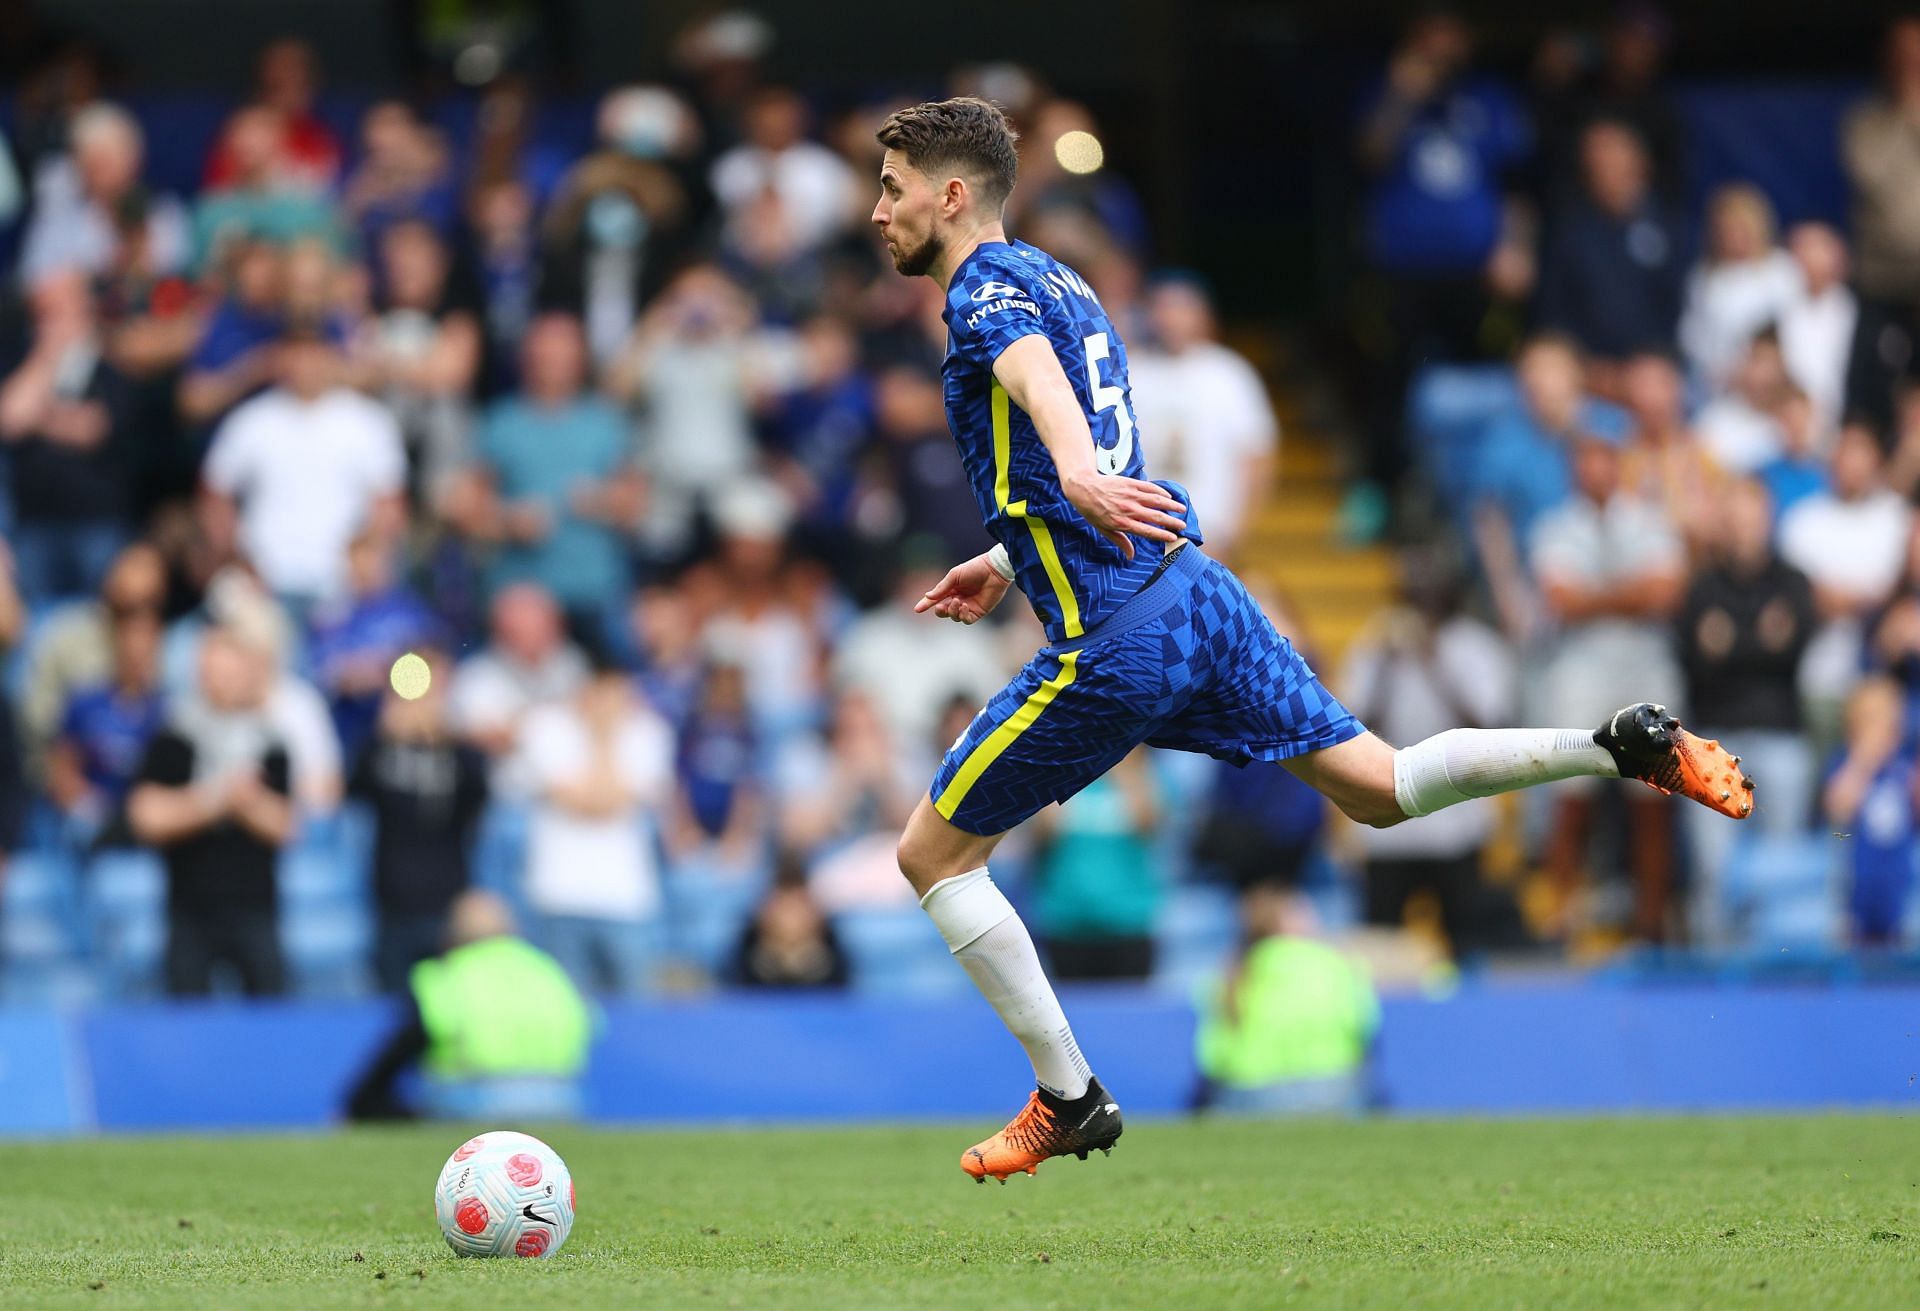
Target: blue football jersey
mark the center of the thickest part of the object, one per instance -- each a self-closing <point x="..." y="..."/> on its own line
<point x="1002" y="292"/>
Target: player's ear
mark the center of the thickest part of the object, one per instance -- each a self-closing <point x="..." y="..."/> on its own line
<point x="954" y="198"/>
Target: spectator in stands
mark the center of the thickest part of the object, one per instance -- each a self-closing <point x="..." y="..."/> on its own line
<point x="1743" y="629"/>
<point x="1665" y="464"/>
<point x="306" y="154"/>
<point x="915" y="482"/>
<point x="356" y="637"/>
<point x="295" y="472"/>
<point x="527" y="663"/>
<point x="820" y="424"/>
<point x="553" y="488"/>
<point x="259" y="202"/>
<point x="1436" y="139"/>
<point x="1851" y="542"/>
<point x="1882" y="158"/>
<point x="500" y="221"/>
<point x="1048" y="186"/>
<point x="1525" y="463"/>
<point x="1623" y="86"/>
<point x="1097" y="887"/>
<point x="1611" y="274"/>
<point x="757" y="615"/>
<point x="494" y="1024"/>
<point x="104" y="732"/>
<point x="777" y="185"/>
<point x="1290" y="1028"/>
<point x="1612" y="571"/>
<point x="66" y="414"/>
<point x="1424" y="667"/>
<point x="234" y="356"/>
<point x="213" y="795"/>
<point x="1204" y="409"/>
<point x="790" y="942"/>
<point x="1800" y="470"/>
<point x="850" y="784"/>
<point x="74" y="650"/>
<point x="82" y="205"/>
<point x="404" y="174"/>
<point x="420" y="352"/>
<point x="720" y="801"/>
<point x="1870" y="798"/>
<point x="425" y="790"/>
<point x="1740" y="428"/>
<point x="1744" y="283"/>
<point x="600" y="766"/>
<point x="1818" y="325"/>
<point x="695" y="363"/>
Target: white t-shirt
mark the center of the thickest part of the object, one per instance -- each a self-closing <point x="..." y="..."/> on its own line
<point x="600" y="868"/>
<point x="1469" y="667"/>
<point x="491" y="692"/>
<point x="1739" y="438"/>
<point x="1202" y="414"/>
<point x="912" y="669"/>
<point x="1727" y="304"/>
<point x="1816" y="338"/>
<point x="305" y="474"/>
<point x="815" y="187"/>
<point x="298" y="711"/>
<point x="1854" y="546"/>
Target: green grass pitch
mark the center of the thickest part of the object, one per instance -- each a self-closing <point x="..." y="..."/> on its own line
<point x="1775" y="1212"/>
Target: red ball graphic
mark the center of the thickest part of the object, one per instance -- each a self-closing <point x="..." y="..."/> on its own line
<point x="524" y="1169"/>
<point x="469" y="1147"/>
<point x="533" y="1243"/>
<point x="470" y="1215"/>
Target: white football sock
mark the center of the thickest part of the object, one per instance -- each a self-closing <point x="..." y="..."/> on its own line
<point x="985" y="934"/>
<point x="1461" y="763"/>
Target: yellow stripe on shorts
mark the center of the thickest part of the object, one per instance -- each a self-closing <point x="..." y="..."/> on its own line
<point x="995" y="743"/>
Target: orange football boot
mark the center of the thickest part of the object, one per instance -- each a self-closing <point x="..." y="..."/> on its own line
<point x="1649" y="744"/>
<point x="1046" y="1126"/>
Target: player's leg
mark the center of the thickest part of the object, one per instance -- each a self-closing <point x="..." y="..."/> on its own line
<point x="1061" y="723"/>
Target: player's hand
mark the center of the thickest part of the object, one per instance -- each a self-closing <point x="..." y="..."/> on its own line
<point x="967" y="594"/>
<point x="1123" y="508"/>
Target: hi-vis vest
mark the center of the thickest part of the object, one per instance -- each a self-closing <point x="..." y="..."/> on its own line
<point x="500" y="1007"/>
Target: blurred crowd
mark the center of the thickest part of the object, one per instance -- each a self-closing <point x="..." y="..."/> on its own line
<point x="1673" y="452"/>
<point x="638" y="454"/>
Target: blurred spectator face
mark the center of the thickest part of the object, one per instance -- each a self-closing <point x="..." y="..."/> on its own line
<point x="388" y="132"/>
<point x="856" y="720"/>
<point x="1552" y="381"/>
<point x="526" y="623"/>
<point x="1857" y="459"/>
<point x="369" y="571"/>
<point x="1636" y="47"/>
<point x="1798" y="422"/>
<point x="1181" y="316"/>
<point x="1615" y="167"/>
<point x="502" y="214"/>
<point x="309" y="366"/>
<point x="1653" y="392"/>
<point x="1903" y="56"/>
<point x="1596" y="469"/>
<point x="135" y="636"/>
<point x="1740" y="224"/>
<point x="953" y="722"/>
<point x="1821" y="254"/>
<point x="1443" y="41"/>
<point x="137" y="580"/>
<point x="415" y="263"/>
<point x="309" y="281"/>
<point x="258" y="275"/>
<point x="253" y="139"/>
<point x="553" y="358"/>
<point x="107" y="150"/>
<point x="909" y="404"/>
<point x="1874" y="716"/>
<point x="233" y="675"/>
<point x="607" y="698"/>
<point x="1762" y="375"/>
<point x="288" y="74"/>
<point x="648" y="122"/>
<point x="776" y="120"/>
<point x="829" y="350"/>
<point x="724" y="690"/>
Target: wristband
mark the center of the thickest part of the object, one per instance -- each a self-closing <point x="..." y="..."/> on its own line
<point x="1003" y="566"/>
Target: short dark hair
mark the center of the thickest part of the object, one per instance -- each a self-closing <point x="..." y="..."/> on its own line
<point x="966" y="134"/>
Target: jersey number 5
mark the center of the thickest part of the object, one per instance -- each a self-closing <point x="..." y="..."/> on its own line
<point x="1115" y="458"/>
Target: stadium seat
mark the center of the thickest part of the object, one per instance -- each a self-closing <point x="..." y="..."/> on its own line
<point x="125" y="899"/>
<point x="895" y="952"/>
<point x="36" y="912"/>
<point x="1783" y="892"/>
<point x="1199" y="927"/>
<point x="705" y="912"/>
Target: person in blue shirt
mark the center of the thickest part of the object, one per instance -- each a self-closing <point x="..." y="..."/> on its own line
<point x="355" y="639"/>
<point x="1870" y="795"/>
<point x="1148" y="640"/>
<point x="105" y="729"/>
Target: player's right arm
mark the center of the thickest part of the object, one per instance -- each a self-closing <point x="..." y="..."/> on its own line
<point x="1120" y="507"/>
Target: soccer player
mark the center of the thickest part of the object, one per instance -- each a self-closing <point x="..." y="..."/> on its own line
<point x="1148" y="640"/>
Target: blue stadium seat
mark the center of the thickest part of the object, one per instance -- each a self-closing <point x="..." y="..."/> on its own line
<point x="326" y="920"/>
<point x="704" y="914"/>
<point x="1198" y="930"/>
<point x="126" y="907"/>
<point x="1785" y="891"/>
<point x="36" y="911"/>
<point x="896" y="952"/>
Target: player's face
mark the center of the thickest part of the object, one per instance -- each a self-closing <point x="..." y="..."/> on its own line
<point x="905" y="215"/>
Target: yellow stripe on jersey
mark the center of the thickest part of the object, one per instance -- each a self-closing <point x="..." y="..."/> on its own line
<point x="995" y="743"/>
<point x="1042" y="535"/>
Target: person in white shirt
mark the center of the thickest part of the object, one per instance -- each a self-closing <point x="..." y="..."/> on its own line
<point x="77" y="198"/>
<point x="295" y="472"/>
<point x="778" y="181"/>
<point x="1740" y="428"/>
<point x="1422" y="668"/>
<point x="527" y="663"/>
<point x="1204" y="410"/>
<point x="1851" y="543"/>
<point x="1612" y="572"/>
<point x="601" y="765"/>
<point x="1817" y="325"/>
<point x="1743" y="285"/>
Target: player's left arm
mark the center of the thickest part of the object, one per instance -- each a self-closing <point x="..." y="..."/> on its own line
<point x="1120" y="507"/>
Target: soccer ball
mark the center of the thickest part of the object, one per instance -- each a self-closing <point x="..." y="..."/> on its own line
<point x="504" y="1194"/>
